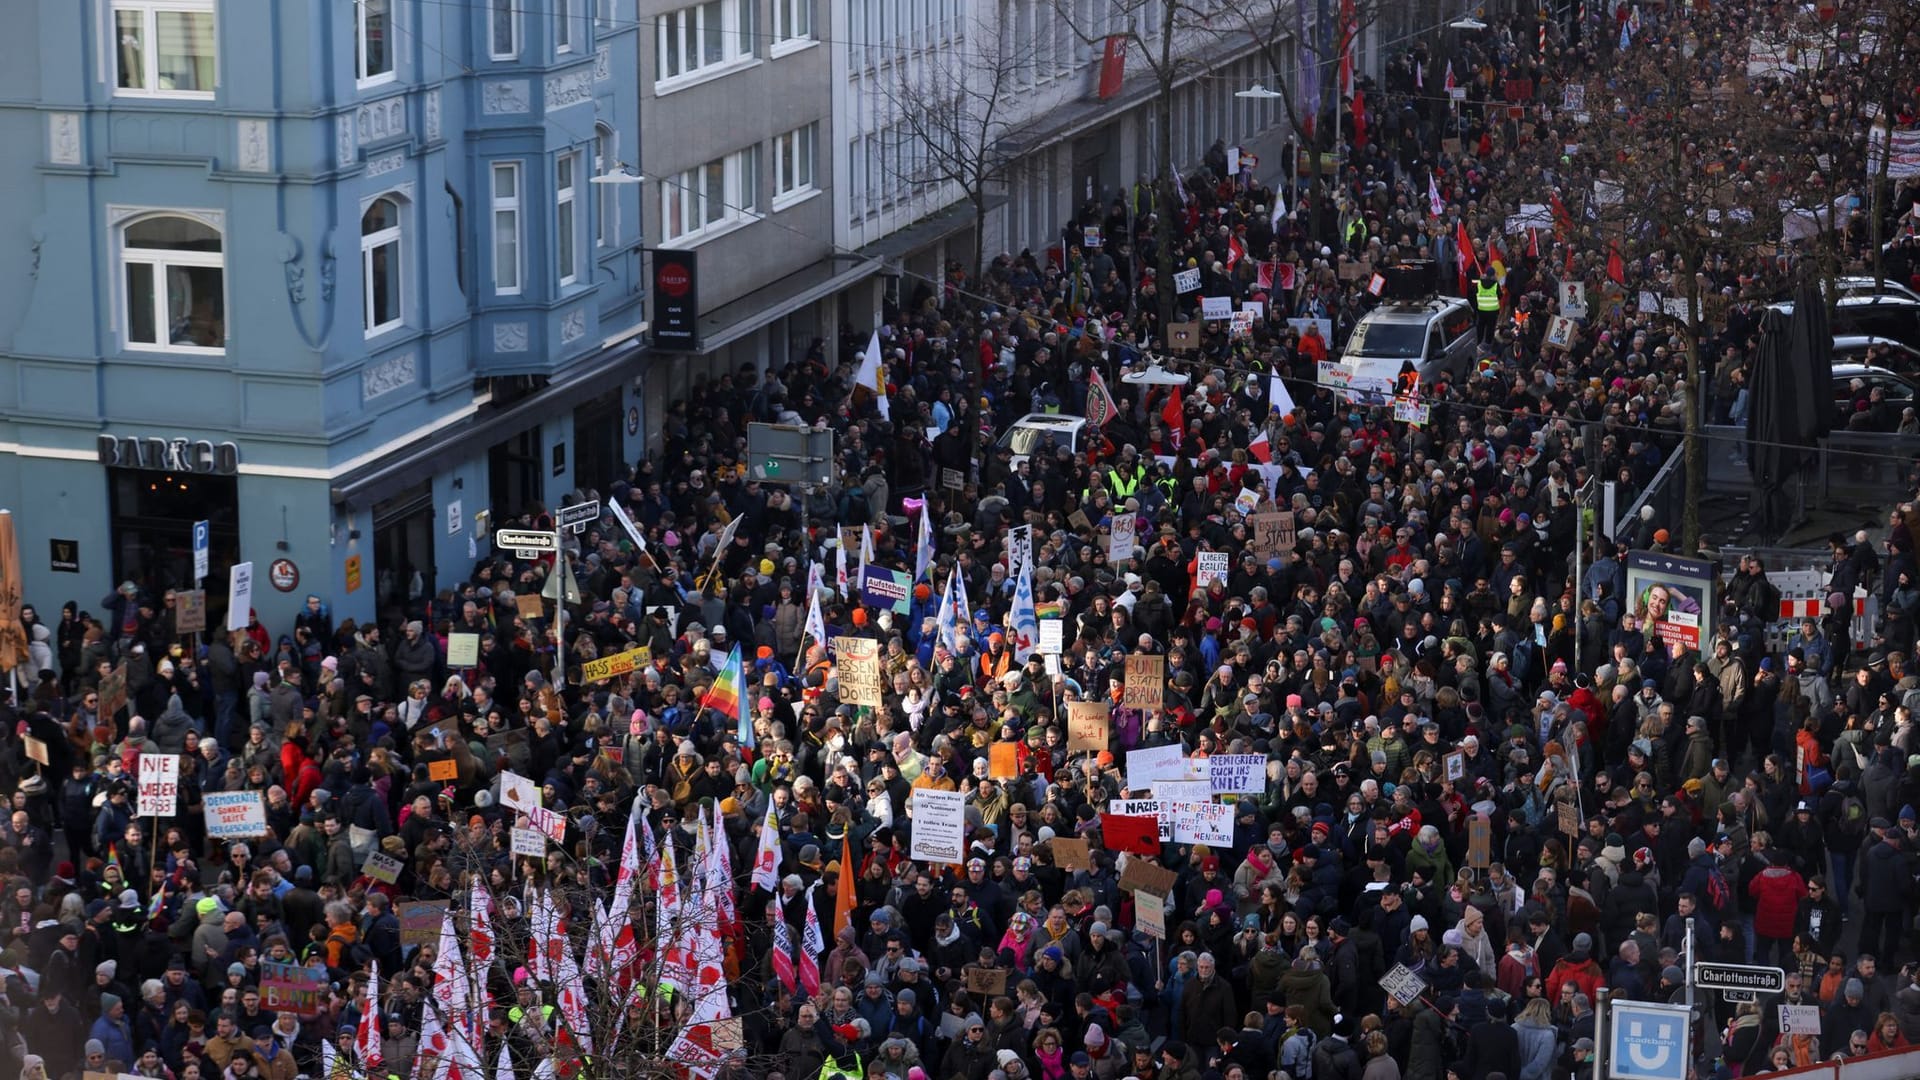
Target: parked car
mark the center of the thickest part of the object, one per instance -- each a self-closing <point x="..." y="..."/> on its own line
<point x="1886" y="315"/>
<point x="1865" y="286"/>
<point x="1899" y="390"/>
<point x="1869" y="351"/>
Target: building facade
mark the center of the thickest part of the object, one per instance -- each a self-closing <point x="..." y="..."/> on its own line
<point x="740" y="173"/>
<point x="1034" y="66"/>
<point x="332" y="277"/>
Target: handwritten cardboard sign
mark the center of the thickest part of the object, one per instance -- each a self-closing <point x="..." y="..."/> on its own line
<point x="1139" y="874"/>
<point x="1147" y="808"/>
<point x="1479" y="843"/>
<point x="235" y="815"/>
<point x="36" y="749"/>
<point x="445" y="769"/>
<point x="1070" y="852"/>
<point x="1088" y="726"/>
<point x="857" y="660"/>
<point x="529" y="842"/>
<point x="381" y="866"/>
<point x="987" y="982"/>
<point x="159" y="791"/>
<point x="1150" y="914"/>
<point x="420" y="921"/>
<point x="1237" y="774"/>
<point x="292" y="987"/>
<point x="1146" y="681"/>
<point x="1273" y="533"/>
<point x="529" y="606"/>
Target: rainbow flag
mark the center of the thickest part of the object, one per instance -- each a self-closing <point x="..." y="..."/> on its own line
<point x="729" y="695"/>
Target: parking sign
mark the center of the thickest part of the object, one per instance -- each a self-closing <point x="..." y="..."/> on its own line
<point x="202" y="535"/>
<point x="1648" y="1041"/>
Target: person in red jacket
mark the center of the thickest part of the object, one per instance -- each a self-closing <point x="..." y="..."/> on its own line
<point x="1777" y="892"/>
<point x="1578" y="968"/>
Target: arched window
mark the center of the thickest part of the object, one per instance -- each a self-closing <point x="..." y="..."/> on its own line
<point x="380" y="268"/>
<point x="174" y="285"/>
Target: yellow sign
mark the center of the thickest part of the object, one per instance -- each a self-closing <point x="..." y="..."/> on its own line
<point x="353" y="573"/>
<point x="608" y="667"/>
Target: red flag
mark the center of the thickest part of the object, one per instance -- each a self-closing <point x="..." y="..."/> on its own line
<point x="1100" y="406"/>
<point x="1264" y="278"/>
<point x="1174" y="415"/>
<point x="1261" y="450"/>
<point x="1616" y="267"/>
<point x="782" y="955"/>
<point x="1359" y="118"/>
<point x="1464" y="256"/>
<point x="1349" y="29"/>
<point x="1533" y="243"/>
<point x="1113" y="66"/>
<point x="1235" y="251"/>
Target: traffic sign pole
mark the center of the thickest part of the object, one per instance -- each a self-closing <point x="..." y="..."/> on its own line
<point x="1600" y="1044"/>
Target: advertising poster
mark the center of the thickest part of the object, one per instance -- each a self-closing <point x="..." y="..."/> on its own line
<point x="1672" y="596"/>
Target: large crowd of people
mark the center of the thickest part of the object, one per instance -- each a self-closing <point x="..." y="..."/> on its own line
<point x="1436" y="692"/>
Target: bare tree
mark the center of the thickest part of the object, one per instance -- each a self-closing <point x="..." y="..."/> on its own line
<point x="959" y="111"/>
<point x="1170" y="37"/>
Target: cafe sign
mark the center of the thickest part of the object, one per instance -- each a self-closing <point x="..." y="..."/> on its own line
<point x="170" y="455"/>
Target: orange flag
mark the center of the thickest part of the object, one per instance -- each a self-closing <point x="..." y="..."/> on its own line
<point x="843" y="889"/>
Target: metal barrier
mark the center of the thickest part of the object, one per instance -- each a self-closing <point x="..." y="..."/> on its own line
<point x="1666" y="493"/>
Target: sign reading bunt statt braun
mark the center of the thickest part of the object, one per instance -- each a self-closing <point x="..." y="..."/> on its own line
<point x="170" y="455"/>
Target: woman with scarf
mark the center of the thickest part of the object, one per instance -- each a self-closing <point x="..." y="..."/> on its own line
<point x="1016" y="949"/>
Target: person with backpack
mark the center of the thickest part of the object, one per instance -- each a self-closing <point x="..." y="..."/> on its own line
<point x="1297" y="1045"/>
<point x="1843" y="813"/>
<point x="1708" y="883"/>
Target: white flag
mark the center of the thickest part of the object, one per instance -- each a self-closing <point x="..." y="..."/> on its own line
<point x="873" y="376"/>
<point x="766" y="859"/>
<point x="816" y="623"/>
<point x="924" y="558"/>
<point x="948" y="617"/>
<point x="1435" y="205"/>
<point x="620" y="515"/>
<point x="840" y="570"/>
<point x="1025" y="623"/>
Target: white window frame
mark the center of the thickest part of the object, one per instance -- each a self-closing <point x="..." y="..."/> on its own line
<point x="686" y="204"/>
<point x="681" y="35"/>
<point x="392" y="236"/>
<point x="606" y="162"/>
<point x="566" y="216"/>
<point x="362" y="77"/>
<point x="796" y="153"/>
<point x="510" y="11"/>
<point x="607" y="12"/>
<point x="506" y="207"/>
<point x="792" y="26"/>
<point x="160" y="260"/>
<point x="149" y="12"/>
<point x="563" y="29"/>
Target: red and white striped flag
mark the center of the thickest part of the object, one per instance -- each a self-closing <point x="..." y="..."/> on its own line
<point x="812" y="944"/>
<point x="782" y="949"/>
<point x="366" y="1037"/>
<point x="1260" y="449"/>
<point x="1435" y="205"/>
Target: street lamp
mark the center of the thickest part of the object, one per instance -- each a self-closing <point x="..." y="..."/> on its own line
<point x="1258" y="92"/>
<point x="621" y="175"/>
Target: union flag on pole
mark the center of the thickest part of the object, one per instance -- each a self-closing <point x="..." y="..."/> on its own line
<point x="366" y="1037"/>
<point x="783" y="951"/>
<point x="1100" y="406"/>
<point x="766" y="859"/>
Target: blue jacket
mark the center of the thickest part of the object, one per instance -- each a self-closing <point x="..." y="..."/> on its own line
<point x="117" y="1039"/>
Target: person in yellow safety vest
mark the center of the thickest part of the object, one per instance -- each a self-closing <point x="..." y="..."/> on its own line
<point x="1125" y="479"/>
<point x="1486" y="306"/>
<point x="1356" y="234"/>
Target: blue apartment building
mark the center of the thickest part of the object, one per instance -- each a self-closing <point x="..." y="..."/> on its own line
<point x="330" y="275"/>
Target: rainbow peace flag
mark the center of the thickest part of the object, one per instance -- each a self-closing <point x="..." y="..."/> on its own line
<point x="728" y="695"/>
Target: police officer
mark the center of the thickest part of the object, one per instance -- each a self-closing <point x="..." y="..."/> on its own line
<point x="1486" y="306"/>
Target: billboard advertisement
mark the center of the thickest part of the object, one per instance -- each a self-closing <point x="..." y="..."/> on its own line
<point x="1672" y="597"/>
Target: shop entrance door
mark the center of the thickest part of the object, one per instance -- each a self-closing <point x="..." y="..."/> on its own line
<point x="596" y="443"/>
<point x="151" y="516"/>
<point x="403" y="553"/>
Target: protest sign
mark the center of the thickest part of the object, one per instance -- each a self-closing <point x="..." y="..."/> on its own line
<point x="1123" y="537"/>
<point x="1185" y="789"/>
<point x="531" y="842"/>
<point x="551" y="823"/>
<point x="1403" y="985"/>
<point x="1138" y="833"/>
<point x="1053" y="634"/>
<point x="858" y="662"/>
<point x="1203" y="823"/>
<point x="235" y="815"/>
<point x="159" y="785"/>
<point x="620" y="663"/>
<point x="1070" y="852"/>
<point x="529" y="606"/>
<point x="1154" y="763"/>
<point x="1087" y="726"/>
<point x="1211" y="566"/>
<point x="445" y="769"/>
<point x="1479" y="843"/>
<point x="1216" y="307"/>
<point x="1152" y="808"/>
<point x="1186" y="281"/>
<point x="381" y="866"/>
<point x="420" y="921"/>
<point x="1799" y="1019"/>
<point x="1150" y="914"/>
<point x="463" y="650"/>
<point x="1569" y="819"/>
<point x="1139" y="874"/>
<point x="1456" y="766"/>
<point x="1273" y="533"/>
<point x="113" y="691"/>
<point x="939" y="825"/>
<point x="887" y="590"/>
<point x="1237" y="774"/>
<point x="293" y="988"/>
<point x="190" y="611"/>
<point x="986" y="982"/>
<point x="517" y="792"/>
<point x="1146" y="684"/>
<point x="1003" y="760"/>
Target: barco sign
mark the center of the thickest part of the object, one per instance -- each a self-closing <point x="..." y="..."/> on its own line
<point x="170" y="455"/>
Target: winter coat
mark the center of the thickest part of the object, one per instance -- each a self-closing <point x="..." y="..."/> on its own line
<point x="1776" y="892"/>
<point x="1539" y="1045"/>
<point x="1427" y="1048"/>
<point x="1309" y="989"/>
<point x="1205" y="1008"/>
<point x="1886" y="878"/>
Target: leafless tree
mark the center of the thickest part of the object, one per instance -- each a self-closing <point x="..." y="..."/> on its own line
<point x="959" y="111"/>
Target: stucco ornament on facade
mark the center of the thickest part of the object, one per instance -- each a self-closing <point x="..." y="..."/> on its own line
<point x="251" y="137"/>
<point x="387" y="376"/>
<point x="63" y="138"/>
<point x="574" y="326"/>
<point x="509" y="337"/>
<point x="433" y="114"/>
<point x="504" y="98"/>
<point x="314" y="326"/>
<point x="569" y="88"/>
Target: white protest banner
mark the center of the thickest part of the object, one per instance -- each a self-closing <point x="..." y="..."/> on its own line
<point x="1052" y="637"/>
<point x="1794" y="1019"/>
<point x="1186" y="281"/>
<point x="1409" y="411"/>
<point x="1123" y="536"/>
<point x="235" y="815"/>
<point x="517" y="792"/>
<point x="857" y="662"/>
<point x="1237" y="774"/>
<point x="463" y="650"/>
<point x="1213" y="566"/>
<point x="239" y="595"/>
<point x="1216" y="307"/>
<point x="1186" y="790"/>
<point x="1203" y="823"/>
<point x="939" y="825"/>
<point x="159" y="785"/>
<point x="1155" y="763"/>
<point x="1147" y="808"/>
<point x="531" y="842"/>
